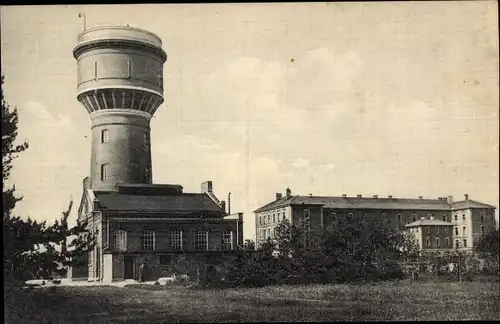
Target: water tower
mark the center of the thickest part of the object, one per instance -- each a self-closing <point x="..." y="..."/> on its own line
<point x="120" y="84"/>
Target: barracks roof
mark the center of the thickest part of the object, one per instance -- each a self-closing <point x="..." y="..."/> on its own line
<point x="423" y="222"/>
<point x="372" y="203"/>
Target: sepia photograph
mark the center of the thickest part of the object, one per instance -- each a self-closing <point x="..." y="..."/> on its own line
<point x="250" y="162"/>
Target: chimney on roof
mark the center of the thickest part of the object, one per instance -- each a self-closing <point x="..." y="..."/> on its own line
<point x="466" y="196"/>
<point x="375" y="196"/>
<point x="206" y="187"/>
<point x="310" y="195"/>
<point x="422" y="218"/>
<point x="420" y="197"/>
<point x="359" y="196"/>
<point x="440" y="198"/>
<point x="344" y="195"/>
<point x="288" y="193"/>
<point x="223" y="206"/>
<point x="390" y="196"/>
<point x="449" y="199"/>
<point x="278" y="195"/>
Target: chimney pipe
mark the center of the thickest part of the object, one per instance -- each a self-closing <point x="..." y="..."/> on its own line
<point x="223" y="206"/>
<point x="344" y="195"/>
<point x="359" y="196"/>
<point x="310" y="195"/>
<point x="288" y="193"/>
<point x="375" y="196"/>
<point x="420" y="197"/>
<point x="449" y="199"/>
<point x="466" y="196"/>
<point x="390" y="196"/>
<point x="278" y="196"/>
<point x="229" y="203"/>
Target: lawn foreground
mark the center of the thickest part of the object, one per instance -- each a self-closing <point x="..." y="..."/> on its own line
<point x="152" y="304"/>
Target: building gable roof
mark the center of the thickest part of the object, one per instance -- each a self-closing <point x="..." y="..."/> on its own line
<point x="469" y="204"/>
<point x="372" y="203"/>
<point x="185" y="202"/>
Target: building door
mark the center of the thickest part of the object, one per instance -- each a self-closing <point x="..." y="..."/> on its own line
<point x="129" y="267"/>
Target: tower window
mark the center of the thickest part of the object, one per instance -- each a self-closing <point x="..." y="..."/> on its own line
<point x="160" y="77"/>
<point x="463" y="217"/>
<point x="456" y="230"/>
<point x="104" y="136"/>
<point x="104" y="171"/>
<point x="129" y="67"/>
<point x="465" y="242"/>
<point x="148" y="240"/>
<point x="456" y="217"/>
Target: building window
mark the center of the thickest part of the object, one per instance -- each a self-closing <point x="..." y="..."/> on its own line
<point x="457" y="244"/>
<point x="465" y="242"/>
<point x="437" y="229"/>
<point x="443" y="218"/>
<point x="201" y="239"/>
<point x="383" y="217"/>
<point x="284" y="217"/>
<point x="437" y="242"/>
<point x="427" y="242"/>
<point x="482" y="229"/>
<point x="482" y="218"/>
<point x="104" y="136"/>
<point x="165" y="259"/>
<point x="447" y="242"/>
<point x="120" y="240"/>
<point x="399" y="218"/>
<point x="333" y="217"/>
<point x="278" y="215"/>
<point x="456" y="230"/>
<point x="148" y="240"/>
<point x="175" y="239"/>
<point x="274" y="232"/>
<point x="227" y="240"/>
<point x="456" y="218"/>
<point x="428" y="229"/>
<point x="274" y="218"/>
<point x="307" y="214"/>
<point x="350" y="215"/>
<point x="414" y="217"/>
<point x="268" y="232"/>
<point x="463" y="217"/>
<point x="464" y="230"/>
<point x="446" y="229"/>
<point x="104" y="171"/>
<point x="268" y="218"/>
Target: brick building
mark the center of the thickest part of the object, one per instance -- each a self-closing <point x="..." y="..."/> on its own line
<point x="467" y="218"/>
<point x="120" y="84"/>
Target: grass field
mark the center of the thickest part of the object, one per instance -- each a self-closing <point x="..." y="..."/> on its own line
<point x="150" y="304"/>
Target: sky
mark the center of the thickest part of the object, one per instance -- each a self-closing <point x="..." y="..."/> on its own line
<point x="395" y="98"/>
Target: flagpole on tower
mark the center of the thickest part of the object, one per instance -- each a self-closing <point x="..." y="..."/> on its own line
<point x="82" y="15"/>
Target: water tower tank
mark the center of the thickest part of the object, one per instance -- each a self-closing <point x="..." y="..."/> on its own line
<point x="120" y="84"/>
